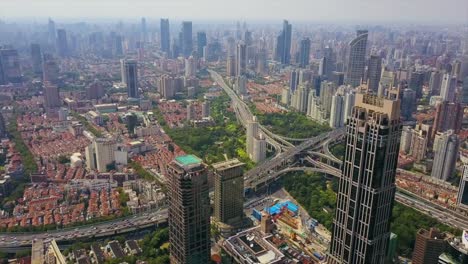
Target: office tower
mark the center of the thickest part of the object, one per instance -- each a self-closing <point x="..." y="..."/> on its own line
<point x="229" y="191"/>
<point x="462" y="200"/>
<point x="416" y="83"/>
<point x="428" y="246"/>
<point x="241" y="59"/>
<point x="165" y="36"/>
<point x="327" y="63"/>
<point x="36" y="58"/>
<point x="405" y="141"/>
<point x="283" y="44"/>
<point x="259" y="149"/>
<point x="448" y="87"/>
<point x="51" y="96"/>
<point x="62" y="43"/>
<point x="167" y="86"/>
<point x="435" y="82"/>
<point x="118" y="45"/>
<point x="252" y="132"/>
<point x="201" y="43"/>
<point x="95" y="91"/>
<point x="241" y="85"/>
<point x="445" y="155"/>
<point x="52" y="33"/>
<point x="189" y="210"/>
<point x="51" y="70"/>
<point x="373" y="73"/>
<point x="231" y="66"/>
<point x="304" y="53"/>
<point x="144" y="30"/>
<point x="408" y="104"/>
<point x="387" y="82"/>
<point x="190" y="112"/>
<point x="337" y="111"/>
<point x="448" y="116"/>
<point x="190" y="66"/>
<point x="367" y="185"/>
<point x="10" y="70"/>
<point x="206" y="112"/>
<point x="337" y="78"/>
<point x="261" y="62"/>
<point x="100" y="154"/>
<point x="187" y="41"/>
<point x="357" y="58"/>
<point x="293" y="80"/>
<point x="131" y="78"/>
<point x="420" y="137"/>
<point x="464" y="99"/>
<point x="327" y="90"/>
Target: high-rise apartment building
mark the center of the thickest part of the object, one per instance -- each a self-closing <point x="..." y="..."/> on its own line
<point x="252" y="132"/>
<point x="448" y="88"/>
<point x="408" y="104"/>
<point x="283" y="44"/>
<point x="435" y="82"/>
<point x="131" y="78"/>
<point x="100" y="154"/>
<point x="144" y="30"/>
<point x="428" y="246"/>
<point x="337" y="111"/>
<point x="416" y="83"/>
<point x="167" y="86"/>
<point x="374" y="72"/>
<point x="189" y="211"/>
<point x="187" y="39"/>
<point x="445" y="155"/>
<point x="231" y="66"/>
<point x="51" y="96"/>
<point x="357" y="58"/>
<point x="304" y="53"/>
<point x="165" y="36"/>
<point x="51" y="69"/>
<point x="229" y="191"/>
<point x="366" y="192"/>
<point x="420" y="137"/>
<point x="448" y="116"/>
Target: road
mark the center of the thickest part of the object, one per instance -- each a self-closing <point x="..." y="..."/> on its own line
<point x="8" y="240"/>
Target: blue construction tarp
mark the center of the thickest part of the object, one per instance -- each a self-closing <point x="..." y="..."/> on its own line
<point x="276" y="209"/>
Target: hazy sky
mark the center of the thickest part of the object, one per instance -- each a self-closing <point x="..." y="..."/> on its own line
<point x="294" y="10"/>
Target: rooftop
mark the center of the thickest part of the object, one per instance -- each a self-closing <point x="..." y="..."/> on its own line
<point x="187" y="160"/>
<point x="227" y="164"/>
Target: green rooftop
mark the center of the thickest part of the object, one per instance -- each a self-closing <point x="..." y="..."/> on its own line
<point x="186" y="160"/>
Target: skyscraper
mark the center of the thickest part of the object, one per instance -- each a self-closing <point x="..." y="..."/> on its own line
<point x="36" y="58"/>
<point x="187" y="41"/>
<point x="252" y="132"/>
<point x="435" y="82"/>
<point x="51" y="96"/>
<point x="416" y="83"/>
<point x="328" y="62"/>
<point x="144" y="30"/>
<point x="408" y="103"/>
<point x="304" y="52"/>
<point x="283" y="44"/>
<point x="448" y="116"/>
<point x="229" y="191"/>
<point x="201" y="43"/>
<point x="357" y="58"/>
<point x="52" y="33"/>
<point x="373" y="73"/>
<point x="10" y="69"/>
<point x="366" y="192"/>
<point x="131" y="78"/>
<point x="337" y="111"/>
<point x="189" y="211"/>
<point x="50" y="69"/>
<point x="231" y="66"/>
<point x="445" y="155"/>
<point x="62" y="43"/>
<point x="241" y="58"/>
<point x="449" y="85"/>
<point x="165" y="36"/>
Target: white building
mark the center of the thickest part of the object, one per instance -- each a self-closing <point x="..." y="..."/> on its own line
<point x="99" y="154"/>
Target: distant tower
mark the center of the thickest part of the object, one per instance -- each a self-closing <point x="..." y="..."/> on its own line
<point x="408" y="104"/>
<point x="187" y="41"/>
<point x="201" y="43"/>
<point x="283" y="44"/>
<point x="36" y="58"/>
<point x="361" y="228"/>
<point x="231" y="66"/>
<point x="357" y="58"/>
<point x="416" y="83"/>
<point x="229" y="191"/>
<point x="190" y="112"/>
<point x="337" y="111"/>
<point x="241" y="59"/>
<point x="435" y="82"/>
<point x="131" y="78"/>
<point x="52" y="33"/>
<point x="51" y="70"/>
<point x="445" y="155"/>
<point x="304" y="52"/>
<point x="144" y="30"/>
<point x="165" y="36"/>
<point x="51" y="94"/>
<point x="449" y="85"/>
<point x="62" y="43"/>
<point x="189" y="210"/>
<point x="448" y="116"/>
<point x="373" y="73"/>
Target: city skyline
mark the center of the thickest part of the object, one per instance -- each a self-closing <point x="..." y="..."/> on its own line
<point x="330" y="11"/>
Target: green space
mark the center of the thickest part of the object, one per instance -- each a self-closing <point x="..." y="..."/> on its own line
<point x="226" y="137"/>
<point x="292" y="124"/>
<point x="317" y="195"/>
<point x="338" y="150"/>
<point x="86" y="124"/>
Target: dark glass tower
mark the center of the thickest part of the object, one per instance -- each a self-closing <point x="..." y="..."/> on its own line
<point x="131" y="78"/>
<point x="165" y="36"/>
<point x="283" y="44"/>
<point x="187" y="41"/>
<point x="304" y="53"/>
<point x="361" y="228"/>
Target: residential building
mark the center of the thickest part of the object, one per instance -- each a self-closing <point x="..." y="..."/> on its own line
<point x="445" y="155"/>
